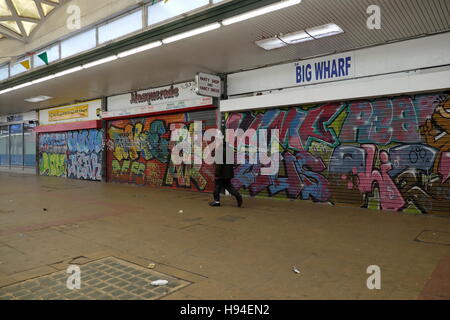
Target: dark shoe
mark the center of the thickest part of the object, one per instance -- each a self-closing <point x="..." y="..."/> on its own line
<point x="239" y="201"/>
<point x="214" y="204"/>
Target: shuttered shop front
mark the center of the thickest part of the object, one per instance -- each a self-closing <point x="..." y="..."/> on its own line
<point x="389" y="153"/>
<point x="70" y="141"/>
<point x="139" y="140"/>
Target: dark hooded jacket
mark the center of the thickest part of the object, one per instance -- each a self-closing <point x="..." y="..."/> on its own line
<point x="224" y="171"/>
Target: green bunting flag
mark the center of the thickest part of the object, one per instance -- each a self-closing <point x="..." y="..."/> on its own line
<point x="44" y="57"/>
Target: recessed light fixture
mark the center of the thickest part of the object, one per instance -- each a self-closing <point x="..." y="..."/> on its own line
<point x="296" y="37"/>
<point x="300" y="36"/>
<point x="271" y="43"/>
<point x="327" y="30"/>
<point x="38" y="99"/>
<point x="261" y="11"/>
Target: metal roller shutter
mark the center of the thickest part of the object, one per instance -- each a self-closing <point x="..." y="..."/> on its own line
<point x="389" y="153"/>
<point x="138" y="152"/>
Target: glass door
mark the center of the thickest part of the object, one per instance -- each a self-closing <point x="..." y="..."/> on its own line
<point x="29" y="138"/>
<point x="4" y="146"/>
<point x="16" y="147"/>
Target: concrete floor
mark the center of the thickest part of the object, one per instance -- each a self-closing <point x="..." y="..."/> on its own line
<point x="227" y="252"/>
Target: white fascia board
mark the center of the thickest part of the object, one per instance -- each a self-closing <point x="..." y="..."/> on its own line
<point x="387" y="85"/>
<point x="425" y="52"/>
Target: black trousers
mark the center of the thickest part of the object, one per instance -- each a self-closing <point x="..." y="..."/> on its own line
<point x="225" y="184"/>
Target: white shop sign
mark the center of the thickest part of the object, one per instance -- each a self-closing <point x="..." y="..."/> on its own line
<point x="294" y="74"/>
<point x="208" y="85"/>
<point x="151" y="97"/>
<point x="415" y="54"/>
<point x="324" y="69"/>
<point x="162" y="107"/>
<point x="19" y="117"/>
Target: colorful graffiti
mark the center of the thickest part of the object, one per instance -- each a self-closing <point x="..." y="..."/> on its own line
<point x="72" y="154"/>
<point x="390" y="153"/>
<point x="52" y="154"/>
<point x="139" y="152"/>
<point x="85" y="154"/>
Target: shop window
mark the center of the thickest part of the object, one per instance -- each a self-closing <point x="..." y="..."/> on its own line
<point x="52" y="55"/>
<point x="16" y="148"/>
<point x="4" y="146"/>
<point x="29" y="138"/>
<point x="162" y="11"/>
<point x="78" y="43"/>
<point x="120" y="27"/>
<point x="4" y="72"/>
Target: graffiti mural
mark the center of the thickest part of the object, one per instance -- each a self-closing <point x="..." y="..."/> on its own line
<point x="53" y="154"/>
<point x="388" y="153"/>
<point x="84" y="160"/>
<point x="139" y="152"/>
<point x="72" y="154"/>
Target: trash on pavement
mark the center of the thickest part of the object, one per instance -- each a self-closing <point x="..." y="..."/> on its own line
<point x="159" y="283"/>
<point x="151" y="266"/>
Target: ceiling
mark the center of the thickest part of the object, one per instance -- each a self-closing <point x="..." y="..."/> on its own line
<point x="232" y="48"/>
<point x="19" y="18"/>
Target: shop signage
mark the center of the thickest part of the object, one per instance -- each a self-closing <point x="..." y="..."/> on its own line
<point x="320" y="70"/>
<point x="157" y="108"/>
<point x="76" y="112"/>
<point x="331" y="68"/>
<point x="157" y="96"/>
<point x="14" y="118"/>
<point x="208" y="85"/>
<point x="83" y="111"/>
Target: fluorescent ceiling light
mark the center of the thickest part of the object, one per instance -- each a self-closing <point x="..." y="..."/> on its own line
<point x="270" y="44"/>
<point x="261" y="11"/>
<point x="99" y="62"/>
<point x="192" y="33"/>
<point x="23" y="85"/>
<point x="324" y="31"/>
<point x="300" y="36"/>
<point x="296" y="37"/>
<point x="140" y="49"/>
<point x="38" y="99"/>
<point x="6" y="90"/>
<point x="44" y="79"/>
<point x="69" y="71"/>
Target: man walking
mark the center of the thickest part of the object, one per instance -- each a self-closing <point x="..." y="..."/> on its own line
<point x="223" y="175"/>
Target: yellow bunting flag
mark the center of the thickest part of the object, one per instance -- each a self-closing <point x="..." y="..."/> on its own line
<point x="26" y="64"/>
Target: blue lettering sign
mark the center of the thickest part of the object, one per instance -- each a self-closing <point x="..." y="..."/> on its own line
<point x="324" y="70"/>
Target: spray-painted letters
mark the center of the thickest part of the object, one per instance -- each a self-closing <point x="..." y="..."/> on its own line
<point x="389" y="153"/>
